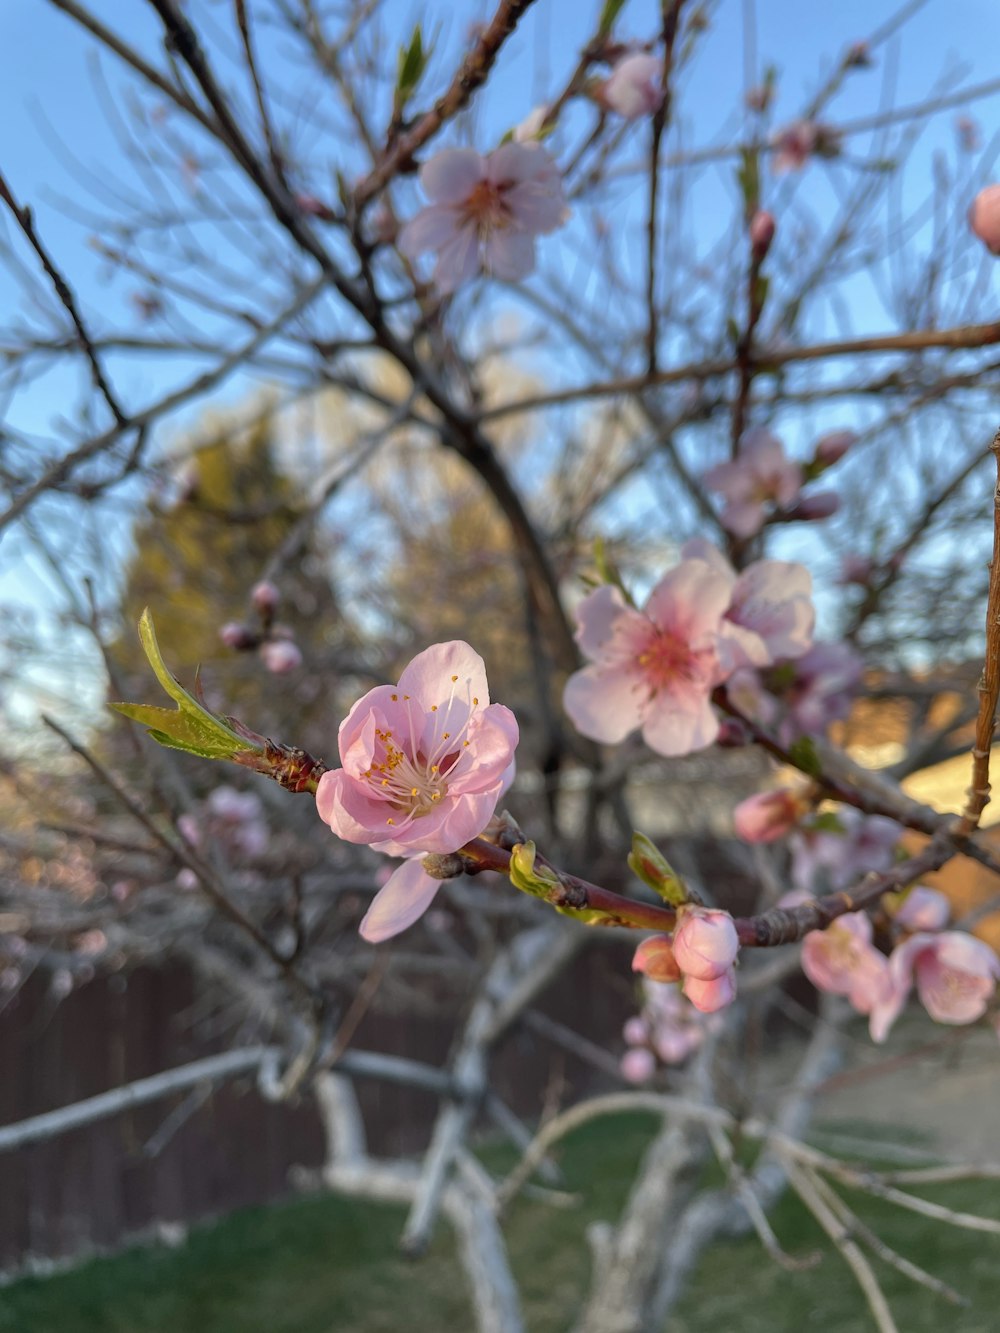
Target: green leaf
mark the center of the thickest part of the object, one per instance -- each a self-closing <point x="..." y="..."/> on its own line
<point x="190" y="726"/>
<point x="648" y="863"/>
<point x="410" y="66"/>
<point x="611" y="10"/>
<point x="539" y="883"/>
<point x="803" y="755"/>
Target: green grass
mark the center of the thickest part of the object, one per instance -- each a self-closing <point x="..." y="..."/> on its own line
<point x="326" y="1265"/>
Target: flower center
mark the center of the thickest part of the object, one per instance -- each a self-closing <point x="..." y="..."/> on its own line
<point x="410" y="783"/>
<point x="486" y="207"/>
<point x="664" y="660"/>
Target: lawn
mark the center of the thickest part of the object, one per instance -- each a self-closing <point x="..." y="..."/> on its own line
<point x="326" y="1265"/>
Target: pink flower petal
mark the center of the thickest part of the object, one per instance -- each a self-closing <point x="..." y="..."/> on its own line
<point x="449" y="177"/>
<point x="404" y="898"/>
<point x="432" y="228"/>
<point x="509" y="255"/>
<point x="603" y="703"/>
<point x="597" y="617"/>
<point x="458" y="260"/>
<point x="671" y="731"/>
<point x="428" y="676"/>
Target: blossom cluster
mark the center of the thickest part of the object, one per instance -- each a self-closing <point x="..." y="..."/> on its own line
<point x="700" y="953"/>
<point x="655" y="669"/>
<point x="667" y="1029"/>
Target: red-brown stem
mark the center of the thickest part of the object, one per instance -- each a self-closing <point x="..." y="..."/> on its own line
<point x="989" y="682"/>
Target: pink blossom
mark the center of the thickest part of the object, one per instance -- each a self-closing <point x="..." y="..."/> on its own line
<point x="406" y="896"/>
<point x="423" y="761"/>
<point x="711" y="995"/>
<point x="280" y="656"/>
<point x="826" y="860"/>
<point x="762" y="228"/>
<point x="652" y="669"/>
<point x="673" y="1026"/>
<point x="638" y="1065"/>
<point x="956" y="976"/>
<point x="841" y="960"/>
<point x="831" y="447"/>
<point x="654" y="957"/>
<point x="923" y="909"/>
<point x="855" y="569"/>
<point x="531" y="127"/>
<point x="485" y="212"/>
<point x="770" y="615"/>
<point x="633" y="88"/>
<point x="705" y="942"/>
<point x="984" y="218"/>
<point x="767" y="816"/>
<point x="635" y="1031"/>
<point x="759" y="476"/>
<point x="821" y="691"/>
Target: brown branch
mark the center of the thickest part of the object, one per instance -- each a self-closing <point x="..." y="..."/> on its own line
<point x="989" y="684"/>
<point x="767" y="359"/>
<point x="24" y="219"/>
<point x="671" y="10"/>
<point x="475" y="69"/>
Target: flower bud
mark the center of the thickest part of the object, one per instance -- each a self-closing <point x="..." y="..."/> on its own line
<point x="762" y="228"/>
<point x="709" y="996"/>
<point x="923" y="909"/>
<point x="831" y="448"/>
<point x="767" y="816"/>
<point x="280" y="656"/>
<point x="265" y="597"/>
<point x="655" y="959"/>
<point x="705" y="943"/>
<point x="638" y="1065"/>
<point x="814" y="507"/>
<point x="235" y="635"/>
<point x="984" y="218"/>
<point x="633" y="89"/>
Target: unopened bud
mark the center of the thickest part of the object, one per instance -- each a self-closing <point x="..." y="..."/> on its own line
<point x="984" y="218"/>
<point x="654" y="958"/>
<point x="762" y="228"/>
<point x="265" y="597"/>
<point x="733" y="734"/>
<point x="815" y="507"/>
<point x="280" y="656"/>
<point x="235" y="635"/>
<point x="831" y="448"/>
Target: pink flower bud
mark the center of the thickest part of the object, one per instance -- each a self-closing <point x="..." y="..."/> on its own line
<point x="705" y="943"/>
<point x="831" y="448"/>
<point x="984" y="218"/>
<point x="187" y="827"/>
<point x="768" y="816"/>
<point x="923" y="909"/>
<point x="280" y="656"/>
<point x="265" y="597"/>
<point x="733" y="734"/>
<point x="711" y="995"/>
<point x="655" y="959"/>
<point x="635" y="1031"/>
<point x="235" y="635"/>
<point x="638" y="1065"/>
<point x="814" y="507"/>
<point x="633" y="89"/>
<point x="762" y="228"/>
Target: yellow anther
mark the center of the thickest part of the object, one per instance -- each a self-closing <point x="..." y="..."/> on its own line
<point x="434" y="708"/>
<point x="475" y="701"/>
<point x="395" y="698"/>
<point x="453" y="679"/>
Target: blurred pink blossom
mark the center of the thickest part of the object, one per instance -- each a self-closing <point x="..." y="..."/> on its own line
<point x="955" y="973"/>
<point x="812" y="508"/>
<point x="235" y="635"/>
<point x="633" y="88"/>
<point x="825" y="860"/>
<point x="485" y="212"/>
<point x="796" y="143"/>
<point x="652" y="669"/>
<point x="638" y="1065"/>
<point x="842" y="960"/>
<point x="923" y="909"/>
<point x="670" y="1026"/>
<point x="855" y="569"/>
<point x="767" y="816"/>
<point x="759" y="476"/>
<point x="281" y="656"/>
<point x="265" y="597"/>
<point x="705" y="943"/>
<point x="984" y="218"/>
<point x="405" y="897"/>
<point x="821" y="690"/>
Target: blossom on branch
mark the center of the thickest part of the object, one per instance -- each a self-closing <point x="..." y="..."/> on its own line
<point x="633" y="88"/>
<point x="653" y="669"/>
<point x="984" y="218"/>
<point x="768" y="815"/>
<point x="842" y="960"/>
<point x="826" y="860"/>
<point x="485" y="212"/>
<point x="424" y="764"/>
<point x="955" y="974"/>
<point x="759" y="476"/>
